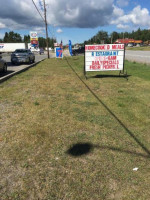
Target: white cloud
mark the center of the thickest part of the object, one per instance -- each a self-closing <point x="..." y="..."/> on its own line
<point x="117" y="12"/>
<point x="59" y="30"/>
<point x="64" y="13"/>
<point x="83" y="14"/>
<point x="122" y="26"/>
<point x="68" y="13"/>
<point x="122" y="3"/>
<point x="2" y="25"/>
<point x="19" y="14"/>
<point x="138" y="17"/>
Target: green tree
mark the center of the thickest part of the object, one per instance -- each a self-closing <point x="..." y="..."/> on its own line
<point x="12" y="37"/>
<point x="6" y="37"/>
<point x="26" y="39"/>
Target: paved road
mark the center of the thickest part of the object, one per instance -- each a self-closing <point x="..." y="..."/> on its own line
<point x="138" y="56"/>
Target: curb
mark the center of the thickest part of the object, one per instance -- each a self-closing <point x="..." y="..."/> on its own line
<point x="19" y="71"/>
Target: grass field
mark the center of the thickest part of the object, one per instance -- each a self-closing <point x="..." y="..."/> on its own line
<point x="63" y="137"/>
<point x="142" y="48"/>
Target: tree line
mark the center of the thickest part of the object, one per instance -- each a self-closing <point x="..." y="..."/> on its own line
<point x="12" y="37"/>
<point x="104" y="37"/>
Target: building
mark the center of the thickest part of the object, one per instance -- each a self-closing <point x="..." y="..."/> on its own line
<point x="128" y="41"/>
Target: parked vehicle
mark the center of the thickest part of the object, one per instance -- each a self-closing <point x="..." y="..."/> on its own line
<point x="75" y="52"/>
<point x="11" y="47"/>
<point x="3" y="65"/>
<point x="22" y="56"/>
<point x="130" y="45"/>
<point x="41" y="51"/>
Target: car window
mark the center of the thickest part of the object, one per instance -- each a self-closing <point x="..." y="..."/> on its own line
<point x="21" y="51"/>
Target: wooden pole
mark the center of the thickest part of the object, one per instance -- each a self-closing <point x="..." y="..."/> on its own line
<point x="46" y="30"/>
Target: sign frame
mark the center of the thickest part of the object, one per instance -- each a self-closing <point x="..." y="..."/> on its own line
<point x="103" y="49"/>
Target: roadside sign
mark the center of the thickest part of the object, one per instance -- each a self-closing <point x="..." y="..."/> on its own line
<point x="70" y="47"/>
<point x="34" y="42"/>
<point x="34" y="39"/>
<point x="59" y="52"/>
<point x="104" y="57"/>
<point x="33" y="35"/>
<point x="56" y="44"/>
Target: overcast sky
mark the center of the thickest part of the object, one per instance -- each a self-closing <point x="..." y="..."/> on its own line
<point x="77" y="20"/>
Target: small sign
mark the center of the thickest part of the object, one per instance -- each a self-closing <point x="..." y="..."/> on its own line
<point x="59" y="52"/>
<point x="104" y="57"/>
<point x="56" y="44"/>
<point x="70" y="47"/>
<point x="1" y="46"/>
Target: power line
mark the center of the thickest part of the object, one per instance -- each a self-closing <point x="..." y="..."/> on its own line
<point x="45" y="22"/>
<point x="41" y="15"/>
<point x="38" y="11"/>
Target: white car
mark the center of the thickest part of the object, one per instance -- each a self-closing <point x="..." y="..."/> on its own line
<point x="130" y="45"/>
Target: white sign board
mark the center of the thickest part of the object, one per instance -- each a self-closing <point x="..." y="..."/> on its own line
<point x="104" y="57"/>
<point x="56" y="44"/>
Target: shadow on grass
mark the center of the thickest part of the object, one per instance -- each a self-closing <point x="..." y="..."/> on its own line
<point x="81" y="149"/>
<point x="132" y="135"/>
<point x="109" y="76"/>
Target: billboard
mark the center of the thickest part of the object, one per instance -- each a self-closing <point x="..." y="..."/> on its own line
<point x="104" y="57"/>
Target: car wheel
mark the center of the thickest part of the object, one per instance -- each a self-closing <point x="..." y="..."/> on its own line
<point x="29" y="62"/>
<point x="13" y="63"/>
<point x="5" y="68"/>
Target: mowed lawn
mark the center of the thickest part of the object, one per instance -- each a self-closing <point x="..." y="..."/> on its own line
<point x="63" y="137"/>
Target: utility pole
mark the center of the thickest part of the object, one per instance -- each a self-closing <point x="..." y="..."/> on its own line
<point x="112" y="38"/>
<point x="46" y="29"/>
<point x="123" y="37"/>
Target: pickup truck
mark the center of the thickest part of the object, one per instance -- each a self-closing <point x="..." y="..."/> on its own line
<point x="81" y="50"/>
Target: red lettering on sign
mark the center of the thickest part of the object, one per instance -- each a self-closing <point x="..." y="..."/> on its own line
<point x="60" y="52"/>
<point x="94" y="67"/>
<point x="112" y="57"/>
<point x="117" y="46"/>
<point x="95" y="47"/>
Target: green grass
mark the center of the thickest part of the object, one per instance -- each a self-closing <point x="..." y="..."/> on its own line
<point x="47" y="112"/>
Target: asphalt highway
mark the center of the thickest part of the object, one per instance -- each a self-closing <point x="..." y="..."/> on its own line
<point x="138" y="56"/>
